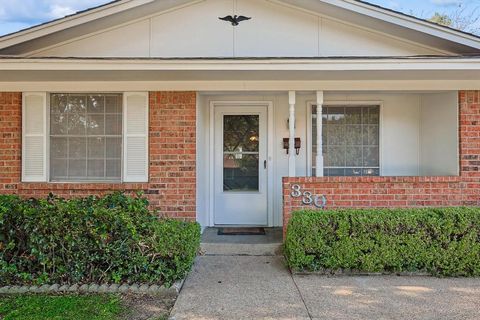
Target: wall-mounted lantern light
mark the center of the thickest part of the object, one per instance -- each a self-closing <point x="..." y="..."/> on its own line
<point x="298" y="145"/>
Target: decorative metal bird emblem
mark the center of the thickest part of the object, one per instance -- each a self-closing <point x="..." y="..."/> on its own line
<point x="235" y="20"/>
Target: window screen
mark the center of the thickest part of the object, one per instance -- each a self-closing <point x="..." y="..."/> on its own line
<point x="351" y="139"/>
<point x="85" y="137"/>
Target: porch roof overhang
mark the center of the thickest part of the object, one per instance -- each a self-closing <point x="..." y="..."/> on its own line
<point x="327" y="73"/>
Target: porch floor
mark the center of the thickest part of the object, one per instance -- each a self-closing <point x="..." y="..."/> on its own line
<point x="269" y="244"/>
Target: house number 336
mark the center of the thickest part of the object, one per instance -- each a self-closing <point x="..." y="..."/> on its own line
<point x="308" y="198"/>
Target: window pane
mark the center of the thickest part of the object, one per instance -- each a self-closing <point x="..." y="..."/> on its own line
<point x="336" y="134"/>
<point x="354" y="156"/>
<point x="77" y="104"/>
<point x="96" y="148"/>
<point x="59" y="103"/>
<point x="371" y="135"/>
<point x="335" y="115"/>
<point x="59" y="147"/>
<point x="113" y="123"/>
<point x="58" y="168"/>
<point x="77" y="124"/>
<point x="373" y="115"/>
<point x="96" y="124"/>
<point x="114" y="147"/>
<point x="336" y="172"/>
<point x="113" y="169"/>
<point x="85" y="137"/>
<point x="96" y="169"/>
<point x="96" y="104"/>
<point x="371" y="158"/>
<point x="351" y="139"/>
<point x="77" y="169"/>
<point x="353" y="115"/>
<point x="77" y="148"/>
<point x="113" y="104"/>
<point x="58" y="123"/>
<point x="336" y="156"/>
<point x="371" y="172"/>
<point x="353" y="172"/>
<point x="354" y="135"/>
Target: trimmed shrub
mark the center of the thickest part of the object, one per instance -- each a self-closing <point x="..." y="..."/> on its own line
<point x="439" y="241"/>
<point x="112" y="239"/>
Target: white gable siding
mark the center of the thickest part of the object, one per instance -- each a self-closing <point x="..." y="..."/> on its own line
<point x="127" y="41"/>
<point x="194" y="31"/>
<point x="275" y="30"/>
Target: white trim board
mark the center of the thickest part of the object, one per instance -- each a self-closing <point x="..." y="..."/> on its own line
<point x="264" y="64"/>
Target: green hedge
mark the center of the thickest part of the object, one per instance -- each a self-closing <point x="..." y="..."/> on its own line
<point x="442" y="242"/>
<point x="112" y="239"/>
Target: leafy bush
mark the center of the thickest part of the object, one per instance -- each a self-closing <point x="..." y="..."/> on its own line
<point x="110" y="239"/>
<point x="442" y="242"/>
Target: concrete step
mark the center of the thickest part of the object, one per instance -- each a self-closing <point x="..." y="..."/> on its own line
<point x="242" y="249"/>
<point x="269" y="244"/>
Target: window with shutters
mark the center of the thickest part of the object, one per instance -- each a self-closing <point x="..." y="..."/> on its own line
<point x="86" y="137"/>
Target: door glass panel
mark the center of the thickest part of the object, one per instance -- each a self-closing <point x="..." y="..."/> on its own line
<point x="240" y="172"/>
<point x="241" y="137"/>
<point x="241" y="133"/>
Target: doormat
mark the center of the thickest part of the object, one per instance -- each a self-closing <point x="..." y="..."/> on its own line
<point x="241" y="231"/>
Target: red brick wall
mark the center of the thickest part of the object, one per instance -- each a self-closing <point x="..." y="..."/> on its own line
<point x="10" y="141"/>
<point x="172" y="183"/>
<point x="363" y="192"/>
<point x="469" y="127"/>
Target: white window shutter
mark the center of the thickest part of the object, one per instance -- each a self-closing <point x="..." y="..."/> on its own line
<point x="135" y="132"/>
<point x="34" y="137"/>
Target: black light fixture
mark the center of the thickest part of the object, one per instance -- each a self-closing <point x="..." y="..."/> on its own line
<point x="298" y="145"/>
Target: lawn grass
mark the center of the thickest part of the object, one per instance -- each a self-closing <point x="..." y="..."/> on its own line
<point x="78" y="307"/>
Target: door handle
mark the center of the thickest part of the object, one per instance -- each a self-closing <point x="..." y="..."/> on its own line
<point x="265" y="164"/>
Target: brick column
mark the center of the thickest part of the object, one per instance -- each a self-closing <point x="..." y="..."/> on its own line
<point x="173" y="153"/>
<point x="10" y="141"/>
<point x="469" y="127"/>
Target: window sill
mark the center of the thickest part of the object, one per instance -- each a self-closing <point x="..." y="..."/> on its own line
<point x="86" y="186"/>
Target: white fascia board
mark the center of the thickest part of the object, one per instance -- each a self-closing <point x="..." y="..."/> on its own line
<point x="69" y="22"/>
<point x="407" y="22"/>
<point x="420" y="64"/>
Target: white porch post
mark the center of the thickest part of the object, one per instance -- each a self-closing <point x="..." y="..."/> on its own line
<point x="291" y="125"/>
<point x="319" y="159"/>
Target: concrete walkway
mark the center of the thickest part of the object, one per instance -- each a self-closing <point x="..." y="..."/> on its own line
<point x="260" y="287"/>
<point x="390" y="297"/>
<point x="241" y="287"/>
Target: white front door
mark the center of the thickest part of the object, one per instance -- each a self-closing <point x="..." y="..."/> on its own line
<point x="240" y="168"/>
